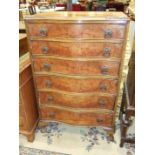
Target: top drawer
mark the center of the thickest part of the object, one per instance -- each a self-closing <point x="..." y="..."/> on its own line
<point x="65" y="30"/>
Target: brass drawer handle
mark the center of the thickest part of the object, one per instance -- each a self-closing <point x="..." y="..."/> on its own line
<point x="103" y="87"/>
<point x="102" y="102"/>
<point x="44" y="49"/>
<point x="104" y="70"/>
<point x="43" y="32"/>
<point x="51" y="114"/>
<point x="46" y="66"/>
<point x="49" y="98"/>
<point x="99" y="120"/>
<point x="48" y="83"/>
<point x="106" y="52"/>
<point x="108" y="33"/>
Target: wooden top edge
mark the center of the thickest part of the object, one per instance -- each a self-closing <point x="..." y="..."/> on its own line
<point x="62" y="39"/>
<point x="80" y="15"/>
<point x="22" y="36"/>
<point x="24" y="62"/>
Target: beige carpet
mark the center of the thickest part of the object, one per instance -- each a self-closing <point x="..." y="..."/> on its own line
<point x="76" y="140"/>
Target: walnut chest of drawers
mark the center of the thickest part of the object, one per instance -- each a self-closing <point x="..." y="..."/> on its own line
<point x="76" y="61"/>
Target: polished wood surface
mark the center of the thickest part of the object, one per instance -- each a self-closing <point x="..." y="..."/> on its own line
<point x="77" y="100"/>
<point x="77" y="49"/>
<point x="77" y="85"/>
<point x="24" y="62"/>
<point x="25" y="74"/>
<point x="88" y="118"/>
<point x="28" y="114"/>
<point x="77" y="30"/>
<point x="77" y="60"/>
<point x="22" y="124"/>
<point x="76" y="67"/>
<point x="29" y="99"/>
<point x="88" y="16"/>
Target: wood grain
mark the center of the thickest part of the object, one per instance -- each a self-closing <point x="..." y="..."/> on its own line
<point x="28" y="97"/>
<point x="77" y="49"/>
<point x="77" y="101"/>
<point x="76" y="67"/>
<point x="77" y="30"/>
<point x="74" y="51"/>
<point x="22" y="121"/>
<point x="89" y="118"/>
<point x="77" y="85"/>
<point x="28" y="113"/>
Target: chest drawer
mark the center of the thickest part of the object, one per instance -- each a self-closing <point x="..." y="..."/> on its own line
<point x="81" y="118"/>
<point x="77" y="84"/>
<point x="73" y="67"/>
<point x="77" y="49"/>
<point x="69" y="30"/>
<point x="77" y="100"/>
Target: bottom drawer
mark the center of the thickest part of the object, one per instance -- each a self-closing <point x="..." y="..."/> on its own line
<point x="79" y="118"/>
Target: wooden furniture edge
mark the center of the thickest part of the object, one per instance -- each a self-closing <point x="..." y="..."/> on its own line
<point x="30" y="134"/>
<point x="78" y="110"/>
<point x="24" y="62"/>
<point x="121" y="77"/>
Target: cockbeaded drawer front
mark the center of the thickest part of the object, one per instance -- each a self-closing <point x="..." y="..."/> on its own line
<point x="77" y="100"/>
<point x="77" y="49"/>
<point x="77" y="84"/>
<point x="76" y="67"/>
<point x="77" y="30"/>
<point x="80" y="118"/>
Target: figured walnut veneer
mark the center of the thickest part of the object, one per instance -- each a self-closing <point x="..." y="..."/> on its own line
<point x="77" y="49"/>
<point x="77" y="30"/>
<point x="83" y="118"/>
<point x="77" y="60"/>
<point x="76" y="84"/>
<point x="93" y="67"/>
<point x="77" y="100"/>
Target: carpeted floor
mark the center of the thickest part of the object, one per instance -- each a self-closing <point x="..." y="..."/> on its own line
<point x="62" y="139"/>
<point x="32" y="151"/>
